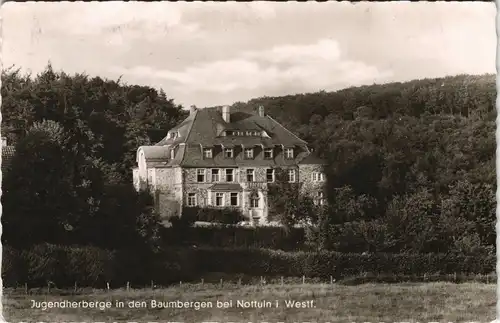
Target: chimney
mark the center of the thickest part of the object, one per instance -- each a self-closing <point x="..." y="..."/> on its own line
<point x="261" y="110"/>
<point x="192" y="109"/>
<point x="225" y="114"/>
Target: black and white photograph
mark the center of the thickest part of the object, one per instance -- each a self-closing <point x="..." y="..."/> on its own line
<point x="326" y="162"/>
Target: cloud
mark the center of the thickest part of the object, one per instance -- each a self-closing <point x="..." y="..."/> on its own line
<point x="314" y="66"/>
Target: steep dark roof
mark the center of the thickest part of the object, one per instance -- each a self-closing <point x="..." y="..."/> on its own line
<point x="7" y="154"/>
<point x="204" y="128"/>
<point x="312" y="159"/>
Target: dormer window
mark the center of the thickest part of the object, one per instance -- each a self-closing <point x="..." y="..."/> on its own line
<point x="248" y="153"/>
<point x="288" y="153"/>
<point x="173" y="135"/>
<point x="268" y="153"/>
<point x="228" y="152"/>
<point x="207" y="153"/>
<point x="172" y="154"/>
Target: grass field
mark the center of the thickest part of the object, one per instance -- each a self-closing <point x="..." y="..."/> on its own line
<point x="412" y="302"/>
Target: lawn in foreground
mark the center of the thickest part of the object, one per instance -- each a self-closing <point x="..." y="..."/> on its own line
<point x="415" y="302"/>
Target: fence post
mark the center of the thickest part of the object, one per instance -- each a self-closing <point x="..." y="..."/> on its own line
<point x="239" y="281"/>
<point x="107" y="286"/>
<point x="26" y="288"/>
<point x="180" y="283"/>
<point x="75" y="287"/>
<point x="221" y="283"/>
<point x="202" y="282"/>
<point x="282" y="282"/>
<point x="48" y="288"/>
<point x="152" y="284"/>
<point x="455" y="276"/>
<point x="303" y="279"/>
<point x="128" y="286"/>
<point x="331" y="280"/>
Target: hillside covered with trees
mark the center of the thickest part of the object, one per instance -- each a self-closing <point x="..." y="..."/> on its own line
<point x="411" y="166"/>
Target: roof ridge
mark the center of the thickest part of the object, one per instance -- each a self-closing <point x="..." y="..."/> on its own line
<point x="188" y="134"/>
<point x="279" y="124"/>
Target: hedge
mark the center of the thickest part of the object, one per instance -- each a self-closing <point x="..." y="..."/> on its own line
<point x="237" y="237"/>
<point x="89" y="266"/>
<point x="339" y="265"/>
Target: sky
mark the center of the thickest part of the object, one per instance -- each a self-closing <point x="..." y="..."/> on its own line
<point x="208" y="54"/>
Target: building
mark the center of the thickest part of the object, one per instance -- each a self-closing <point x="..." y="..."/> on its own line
<point x="7" y="154"/>
<point x="222" y="158"/>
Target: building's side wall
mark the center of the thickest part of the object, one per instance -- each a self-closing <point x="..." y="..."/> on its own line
<point x="167" y="188"/>
<point x="309" y="186"/>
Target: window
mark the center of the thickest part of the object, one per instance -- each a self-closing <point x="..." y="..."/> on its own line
<point x="291" y="175"/>
<point x="289" y="153"/>
<point x="172" y="154"/>
<point x="270" y="175"/>
<point x="268" y="153"/>
<point x="254" y="201"/>
<point x="248" y="153"/>
<point x="219" y="199"/>
<point x="228" y="152"/>
<point x="234" y="199"/>
<point x="215" y="175"/>
<point x="207" y="152"/>
<point x="319" y="199"/>
<point x="318" y="177"/>
<point x="191" y="199"/>
<point x="250" y="175"/>
<point x="229" y="175"/>
<point x="240" y="133"/>
<point x="200" y="175"/>
<point x="249" y="133"/>
<point x="173" y="135"/>
<point x="229" y="133"/>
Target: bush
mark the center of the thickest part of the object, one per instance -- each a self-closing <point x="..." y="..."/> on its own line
<point x="90" y="266"/>
<point x="225" y="215"/>
<point x="237" y="237"/>
<point x="339" y="265"/>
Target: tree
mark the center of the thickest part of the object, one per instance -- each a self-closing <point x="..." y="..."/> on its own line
<point x="39" y="199"/>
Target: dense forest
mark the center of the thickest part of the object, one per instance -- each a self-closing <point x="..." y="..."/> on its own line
<point x="410" y="165"/>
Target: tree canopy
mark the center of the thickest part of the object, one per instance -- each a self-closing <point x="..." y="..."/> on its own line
<point x="410" y="165"/>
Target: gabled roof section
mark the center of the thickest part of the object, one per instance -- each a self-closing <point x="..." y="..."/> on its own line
<point x="312" y="159"/>
<point x="209" y="125"/>
<point x="205" y="128"/>
<point x="183" y="129"/>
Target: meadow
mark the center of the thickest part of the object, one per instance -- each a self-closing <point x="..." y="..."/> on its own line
<point x="402" y="302"/>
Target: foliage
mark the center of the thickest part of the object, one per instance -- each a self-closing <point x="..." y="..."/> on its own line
<point x="287" y="205"/>
<point x="76" y="139"/>
<point x="225" y="215"/>
<point x="90" y="266"/>
<point x="229" y="236"/>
